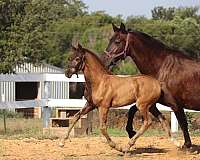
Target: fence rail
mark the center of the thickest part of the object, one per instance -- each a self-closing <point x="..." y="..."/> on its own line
<point x="47" y="103"/>
<point x="75" y="104"/>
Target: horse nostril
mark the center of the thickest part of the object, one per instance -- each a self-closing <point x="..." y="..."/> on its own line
<point x="67" y="72"/>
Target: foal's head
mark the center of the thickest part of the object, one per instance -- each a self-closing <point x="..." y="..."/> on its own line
<point x="76" y="61"/>
<point x="116" y="45"/>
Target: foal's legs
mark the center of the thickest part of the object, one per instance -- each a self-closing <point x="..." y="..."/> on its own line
<point x="147" y="122"/>
<point x="165" y="124"/>
<point x="129" y="125"/>
<point x="87" y="108"/>
<point x="154" y="111"/>
<point x="103" y="112"/>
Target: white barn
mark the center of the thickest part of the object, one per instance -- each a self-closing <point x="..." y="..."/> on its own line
<point x="19" y="91"/>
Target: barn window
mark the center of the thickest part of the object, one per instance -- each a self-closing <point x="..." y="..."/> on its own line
<point x="76" y="90"/>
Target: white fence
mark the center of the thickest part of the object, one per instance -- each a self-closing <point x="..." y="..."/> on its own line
<point x="47" y="103"/>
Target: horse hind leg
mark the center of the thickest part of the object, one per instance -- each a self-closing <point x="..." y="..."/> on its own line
<point x="129" y="126"/>
<point x="155" y="112"/>
<point x="144" y="110"/>
<point x="165" y="124"/>
<point x="182" y="120"/>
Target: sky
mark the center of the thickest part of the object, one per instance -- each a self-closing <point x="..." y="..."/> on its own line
<point x="135" y="7"/>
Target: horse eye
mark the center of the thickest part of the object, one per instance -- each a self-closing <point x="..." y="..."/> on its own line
<point x="117" y="41"/>
<point x="77" y="59"/>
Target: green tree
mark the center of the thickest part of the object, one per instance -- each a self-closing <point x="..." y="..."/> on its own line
<point x="126" y="67"/>
<point x="181" y="32"/>
<point x="82" y="28"/>
<point x="163" y="13"/>
<point x="25" y="28"/>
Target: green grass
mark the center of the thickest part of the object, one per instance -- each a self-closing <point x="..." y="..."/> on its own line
<point x="195" y="133"/>
<point x="111" y="131"/>
<point x="18" y="128"/>
<point x="115" y="132"/>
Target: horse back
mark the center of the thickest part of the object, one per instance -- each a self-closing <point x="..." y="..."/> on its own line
<point x="141" y="87"/>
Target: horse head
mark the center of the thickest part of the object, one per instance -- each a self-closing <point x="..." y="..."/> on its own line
<point x="75" y="61"/>
<point x="114" y="51"/>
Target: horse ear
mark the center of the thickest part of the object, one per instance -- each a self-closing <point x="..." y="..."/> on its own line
<point x="73" y="48"/>
<point x="122" y="27"/>
<point x="80" y="48"/>
<point x="115" y="28"/>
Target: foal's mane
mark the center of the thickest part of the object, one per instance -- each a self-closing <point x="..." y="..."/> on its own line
<point x="153" y="42"/>
<point x="97" y="59"/>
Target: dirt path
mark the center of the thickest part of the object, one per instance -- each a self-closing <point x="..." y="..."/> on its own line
<point x="93" y="148"/>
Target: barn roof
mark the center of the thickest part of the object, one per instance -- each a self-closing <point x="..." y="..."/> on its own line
<point x="42" y="68"/>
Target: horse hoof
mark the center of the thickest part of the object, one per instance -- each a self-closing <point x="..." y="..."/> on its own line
<point x="186" y="147"/>
<point x="131" y="134"/>
<point x="127" y="154"/>
<point x="178" y="144"/>
<point x="118" y="148"/>
<point x="61" y="144"/>
<point x="112" y="144"/>
<point x="125" y="149"/>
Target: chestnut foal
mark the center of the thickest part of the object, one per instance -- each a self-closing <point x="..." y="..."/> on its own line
<point x="105" y="91"/>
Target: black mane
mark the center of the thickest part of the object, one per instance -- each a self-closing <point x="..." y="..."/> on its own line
<point x="151" y="41"/>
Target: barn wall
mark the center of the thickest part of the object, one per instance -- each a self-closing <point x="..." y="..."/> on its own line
<point x="58" y="90"/>
<point x="8" y="89"/>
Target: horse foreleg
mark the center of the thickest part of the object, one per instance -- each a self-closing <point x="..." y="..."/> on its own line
<point x="147" y="122"/>
<point x="87" y="108"/>
<point x="103" y="112"/>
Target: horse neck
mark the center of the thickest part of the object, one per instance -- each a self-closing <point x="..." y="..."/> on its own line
<point x="147" y="59"/>
<point x="93" y="70"/>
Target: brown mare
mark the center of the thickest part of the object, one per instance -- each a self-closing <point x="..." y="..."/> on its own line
<point x="180" y="73"/>
<point x="105" y="91"/>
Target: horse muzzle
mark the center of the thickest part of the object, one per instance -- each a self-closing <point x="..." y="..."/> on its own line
<point x="68" y="73"/>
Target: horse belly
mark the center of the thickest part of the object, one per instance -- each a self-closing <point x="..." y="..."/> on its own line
<point x="184" y="86"/>
<point x="191" y="99"/>
<point x="125" y="96"/>
<point x="186" y="93"/>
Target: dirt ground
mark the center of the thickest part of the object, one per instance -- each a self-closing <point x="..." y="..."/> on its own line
<point x="89" y="148"/>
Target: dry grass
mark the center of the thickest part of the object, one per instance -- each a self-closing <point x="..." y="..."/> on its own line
<point x="18" y="128"/>
<point x="21" y="128"/>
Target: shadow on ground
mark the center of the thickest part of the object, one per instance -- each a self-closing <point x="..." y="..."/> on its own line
<point x="194" y="149"/>
<point x="148" y="150"/>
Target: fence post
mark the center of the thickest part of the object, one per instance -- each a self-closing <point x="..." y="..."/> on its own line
<point x="46" y="109"/>
<point x="174" y="123"/>
<point x="4" y="113"/>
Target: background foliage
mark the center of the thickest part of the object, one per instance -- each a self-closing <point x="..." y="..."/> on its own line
<point x="42" y="31"/>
